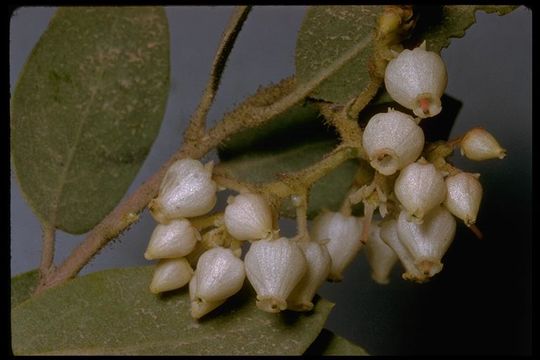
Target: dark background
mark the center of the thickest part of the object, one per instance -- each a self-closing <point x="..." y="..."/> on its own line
<point x="481" y="303"/>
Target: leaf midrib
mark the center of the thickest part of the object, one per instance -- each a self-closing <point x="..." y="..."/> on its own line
<point x="62" y="180"/>
<point x="55" y="202"/>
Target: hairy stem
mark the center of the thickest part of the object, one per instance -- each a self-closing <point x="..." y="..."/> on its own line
<point x="348" y="129"/>
<point x="47" y="255"/>
<point x="256" y="110"/>
<point x="249" y="116"/>
<point x="364" y="97"/>
<point x="127" y="212"/>
<point x="197" y="125"/>
<point x="305" y="178"/>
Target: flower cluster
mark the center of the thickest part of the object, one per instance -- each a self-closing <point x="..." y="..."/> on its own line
<point x="285" y="273"/>
<point x="418" y="193"/>
<point x="427" y="195"/>
<point x="187" y="190"/>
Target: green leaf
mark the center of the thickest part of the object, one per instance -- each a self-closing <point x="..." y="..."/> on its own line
<point x="438" y="24"/>
<point x="326" y="35"/>
<point x="86" y="110"/>
<point x="22" y="287"/>
<point x="328" y="343"/>
<point x="113" y="312"/>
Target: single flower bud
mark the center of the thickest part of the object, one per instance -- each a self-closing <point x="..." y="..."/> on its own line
<point x="187" y="190"/>
<point x="420" y="187"/>
<point x="380" y="256"/>
<point x="343" y="235"/>
<point x="248" y="217"/>
<point x="220" y="274"/>
<point x="428" y="242"/>
<point x="390" y="236"/>
<point x="199" y="306"/>
<point x="478" y="144"/>
<point x="464" y="194"/>
<point x="173" y="240"/>
<point x="170" y="274"/>
<point x="274" y="268"/>
<point x="392" y="140"/>
<point x="416" y="79"/>
<point x="318" y="267"/>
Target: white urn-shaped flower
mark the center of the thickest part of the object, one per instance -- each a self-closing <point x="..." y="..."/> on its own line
<point x="274" y="268"/>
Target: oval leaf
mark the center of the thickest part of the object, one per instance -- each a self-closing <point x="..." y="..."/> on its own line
<point x="86" y="110"/>
<point x="113" y="312"/>
<point x="326" y="35"/>
<point x="438" y="24"/>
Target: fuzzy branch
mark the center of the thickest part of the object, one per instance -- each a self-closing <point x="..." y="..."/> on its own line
<point x="197" y="125"/>
<point x="47" y="255"/>
<point x="256" y="110"/>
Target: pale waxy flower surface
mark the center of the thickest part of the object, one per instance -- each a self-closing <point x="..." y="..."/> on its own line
<point x="199" y="306"/>
<point x="170" y="274"/>
<point x="187" y="190"/>
<point x="274" y="268"/>
<point x="248" y="217"/>
<point x="389" y="235"/>
<point x="172" y="240"/>
<point x="478" y="144"/>
<point x="318" y="262"/>
<point x="392" y="140"/>
<point x="428" y="242"/>
<point x="342" y="235"/>
<point x="220" y="274"/>
<point x="380" y="256"/>
<point x="464" y="195"/>
<point x="420" y="187"/>
<point x="416" y="79"/>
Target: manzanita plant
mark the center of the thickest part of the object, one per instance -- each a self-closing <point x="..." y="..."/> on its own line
<point x="395" y="195"/>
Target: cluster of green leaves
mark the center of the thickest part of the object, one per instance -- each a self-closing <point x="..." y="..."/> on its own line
<point x="84" y="115"/>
